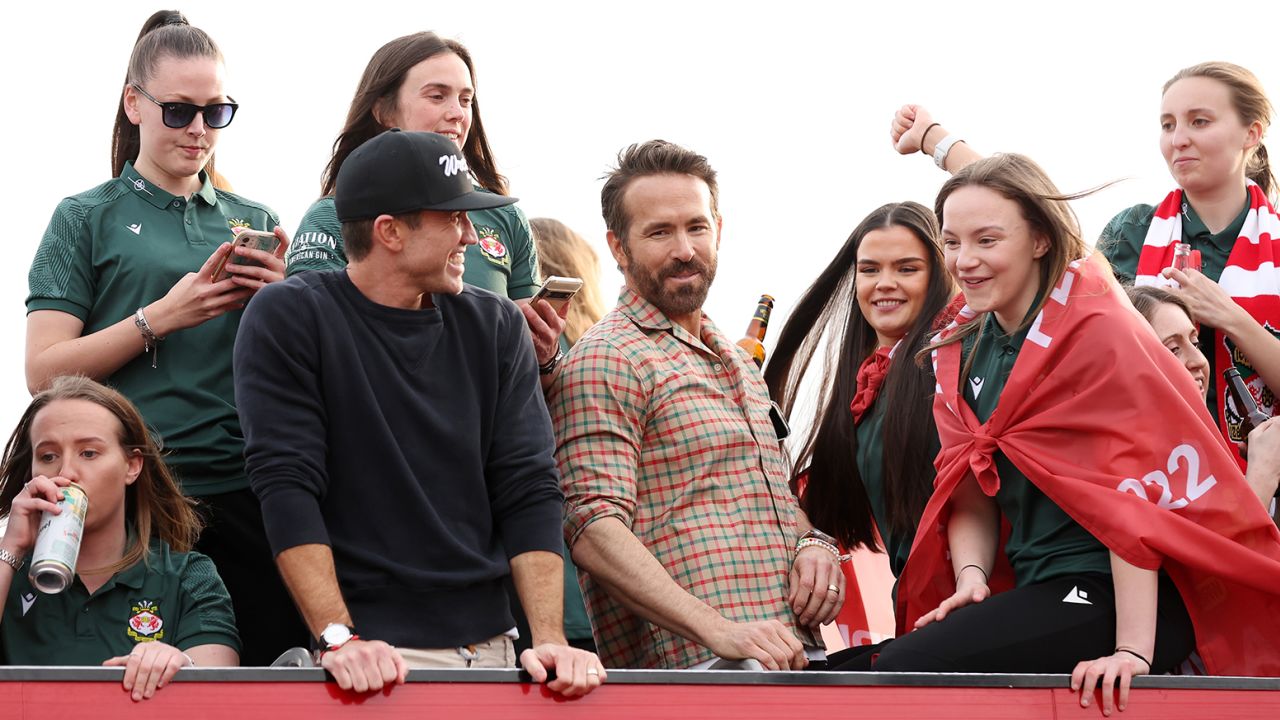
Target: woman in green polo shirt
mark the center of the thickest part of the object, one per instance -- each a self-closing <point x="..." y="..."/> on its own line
<point x="866" y="465"/>
<point x="868" y="468"/>
<point x="426" y="83"/>
<point x="1213" y="117"/>
<point x="141" y="599"/>
<point x="1008" y="238"/>
<point x="122" y="290"/>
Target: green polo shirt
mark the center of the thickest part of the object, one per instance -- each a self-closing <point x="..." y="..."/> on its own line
<point x="871" y="469"/>
<point x="176" y="598"/>
<point x="1045" y="542"/>
<point x="504" y="262"/>
<point x="1121" y="243"/>
<point x="123" y="245"/>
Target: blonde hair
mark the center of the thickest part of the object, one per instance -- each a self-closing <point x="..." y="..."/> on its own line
<point x="563" y="252"/>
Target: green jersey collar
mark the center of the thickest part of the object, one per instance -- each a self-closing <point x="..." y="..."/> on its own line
<point x="159" y="197"/>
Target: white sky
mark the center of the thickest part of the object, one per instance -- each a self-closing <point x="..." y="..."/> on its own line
<point x="790" y="101"/>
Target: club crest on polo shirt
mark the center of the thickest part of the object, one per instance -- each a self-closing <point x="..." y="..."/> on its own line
<point x="235" y="222"/>
<point x="145" y="624"/>
<point x="140" y="185"/>
<point x="491" y="246"/>
<point x="453" y="165"/>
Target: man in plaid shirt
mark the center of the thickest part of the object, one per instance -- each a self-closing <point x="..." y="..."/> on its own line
<point x="678" y="509"/>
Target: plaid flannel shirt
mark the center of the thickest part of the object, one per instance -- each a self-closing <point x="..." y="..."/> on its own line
<point x="671" y="435"/>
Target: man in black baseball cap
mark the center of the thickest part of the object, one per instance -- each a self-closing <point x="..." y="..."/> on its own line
<point x="398" y="440"/>
<point x="399" y="172"/>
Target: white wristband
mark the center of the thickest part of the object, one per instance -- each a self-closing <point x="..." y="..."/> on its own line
<point x="942" y="148"/>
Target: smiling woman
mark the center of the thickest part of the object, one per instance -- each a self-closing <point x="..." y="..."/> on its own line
<point x="425" y="83"/>
<point x="864" y="473"/>
<point x="1047" y="384"/>
<point x="1176" y="328"/>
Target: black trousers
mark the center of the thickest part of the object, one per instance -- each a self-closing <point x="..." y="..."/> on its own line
<point x="1042" y="628"/>
<point x="235" y="539"/>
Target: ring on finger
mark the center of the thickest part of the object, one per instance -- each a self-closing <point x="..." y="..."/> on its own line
<point x="593" y="671"/>
<point x="833" y="588"/>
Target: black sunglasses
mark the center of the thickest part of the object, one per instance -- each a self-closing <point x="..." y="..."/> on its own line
<point x="180" y="114"/>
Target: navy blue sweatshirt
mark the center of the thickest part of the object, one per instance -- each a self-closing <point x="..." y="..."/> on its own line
<point x="415" y="443"/>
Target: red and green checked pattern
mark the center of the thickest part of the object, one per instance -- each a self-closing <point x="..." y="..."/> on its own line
<point x="671" y="435"/>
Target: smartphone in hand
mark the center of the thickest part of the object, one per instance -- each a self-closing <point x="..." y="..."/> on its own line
<point x="256" y="239"/>
<point x="558" y="291"/>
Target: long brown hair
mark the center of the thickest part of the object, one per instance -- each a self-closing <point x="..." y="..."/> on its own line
<point x="563" y="252"/>
<point x="1251" y="104"/>
<point x="154" y="504"/>
<point x="835" y="498"/>
<point x="1043" y="207"/>
<point x="165" y="34"/>
<point x="379" y="92"/>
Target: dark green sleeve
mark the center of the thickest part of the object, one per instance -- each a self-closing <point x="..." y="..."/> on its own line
<point x="207" y="617"/>
<point x="317" y="245"/>
<point x="61" y="276"/>
<point x="525" y="274"/>
<point x="1122" y="238"/>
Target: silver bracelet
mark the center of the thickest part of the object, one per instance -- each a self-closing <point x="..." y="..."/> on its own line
<point x="150" y="341"/>
<point x="11" y="560"/>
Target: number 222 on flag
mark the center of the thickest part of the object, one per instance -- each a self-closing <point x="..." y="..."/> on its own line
<point x="1159" y="478"/>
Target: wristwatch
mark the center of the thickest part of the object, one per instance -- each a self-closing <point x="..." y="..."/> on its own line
<point x="335" y="635"/>
<point x="552" y="364"/>
<point x="817" y="534"/>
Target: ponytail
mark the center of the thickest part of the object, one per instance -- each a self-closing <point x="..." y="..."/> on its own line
<point x="1259" y="171"/>
<point x="166" y="33"/>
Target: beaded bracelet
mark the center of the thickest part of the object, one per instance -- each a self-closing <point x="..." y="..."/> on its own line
<point x="815" y="542"/>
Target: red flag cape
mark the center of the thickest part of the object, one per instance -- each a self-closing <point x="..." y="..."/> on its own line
<point x="1107" y="423"/>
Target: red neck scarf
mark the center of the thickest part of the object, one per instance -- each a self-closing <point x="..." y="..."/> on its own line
<point x="1094" y="403"/>
<point x="1251" y="277"/>
<point x="871" y="376"/>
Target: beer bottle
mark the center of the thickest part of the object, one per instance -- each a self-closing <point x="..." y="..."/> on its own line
<point x="754" y="341"/>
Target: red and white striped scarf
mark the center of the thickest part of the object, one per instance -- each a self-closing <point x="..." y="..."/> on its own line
<point x="1251" y="278"/>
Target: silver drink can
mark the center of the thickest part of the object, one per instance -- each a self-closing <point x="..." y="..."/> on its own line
<point x="53" y="564"/>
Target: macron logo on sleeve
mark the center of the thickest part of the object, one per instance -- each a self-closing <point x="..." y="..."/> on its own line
<point x="453" y="165"/>
<point x="28" y="600"/>
<point x="135" y="228"/>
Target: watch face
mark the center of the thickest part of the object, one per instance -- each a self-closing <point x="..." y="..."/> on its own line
<point x="335" y="635"/>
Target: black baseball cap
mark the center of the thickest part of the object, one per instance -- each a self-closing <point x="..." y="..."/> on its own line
<point x="399" y="172"/>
